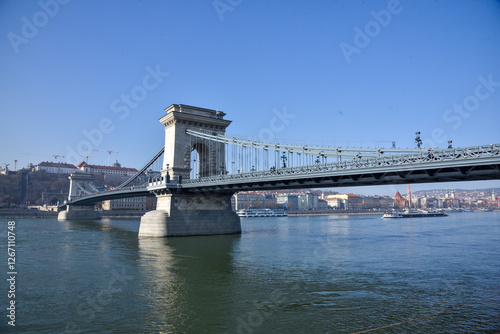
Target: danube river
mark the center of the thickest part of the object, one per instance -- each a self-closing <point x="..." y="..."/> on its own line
<point x="315" y="274"/>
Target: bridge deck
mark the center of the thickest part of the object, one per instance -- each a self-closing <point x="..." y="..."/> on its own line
<point x="482" y="168"/>
<point x="464" y="164"/>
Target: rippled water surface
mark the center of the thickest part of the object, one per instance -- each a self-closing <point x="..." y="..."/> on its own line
<point x="316" y="274"/>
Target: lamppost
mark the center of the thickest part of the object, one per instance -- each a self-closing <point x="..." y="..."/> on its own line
<point x="283" y="157"/>
<point x="418" y="141"/>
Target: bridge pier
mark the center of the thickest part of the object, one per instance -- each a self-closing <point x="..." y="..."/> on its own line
<point x="190" y="214"/>
<point x="79" y="212"/>
<point x="80" y="184"/>
<point x="184" y="213"/>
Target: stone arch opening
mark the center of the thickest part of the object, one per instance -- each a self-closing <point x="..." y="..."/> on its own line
<point x="194" y="164"/>
<point x="200" y="159"/>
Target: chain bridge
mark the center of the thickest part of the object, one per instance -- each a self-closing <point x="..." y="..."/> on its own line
<point x="202" y="167"/>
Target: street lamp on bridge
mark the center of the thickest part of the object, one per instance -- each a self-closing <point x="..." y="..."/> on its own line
<point x="283" y="157"/>
<point x="418" y="141"/>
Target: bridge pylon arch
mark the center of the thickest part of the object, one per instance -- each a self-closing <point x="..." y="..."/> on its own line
<point x="179" y="144"/>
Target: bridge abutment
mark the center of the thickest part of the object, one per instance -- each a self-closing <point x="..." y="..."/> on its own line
<point x="190" y="214"/>
<point x="79" y="212"/>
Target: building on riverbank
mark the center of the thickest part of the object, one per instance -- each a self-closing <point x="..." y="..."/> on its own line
<point x="115" y="169"/>
<point x="56" y="167"/>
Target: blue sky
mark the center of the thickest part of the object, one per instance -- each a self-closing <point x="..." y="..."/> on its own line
<point x="344" y="72"/>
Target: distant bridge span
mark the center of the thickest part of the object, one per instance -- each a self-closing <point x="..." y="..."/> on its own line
<point x="109" y="195"/>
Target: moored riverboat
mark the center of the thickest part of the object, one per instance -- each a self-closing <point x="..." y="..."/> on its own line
<point x="261" y="213"/>
<point x="414" y="214"/>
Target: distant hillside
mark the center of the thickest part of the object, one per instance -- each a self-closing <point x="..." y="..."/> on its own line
<point x="27" y="187"/>
<point x="10" y="189"/>
<point x="457" y="191"/>
<point x="38" y="188"/>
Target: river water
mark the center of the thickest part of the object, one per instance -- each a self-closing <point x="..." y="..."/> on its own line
<point x="315" y="274"/>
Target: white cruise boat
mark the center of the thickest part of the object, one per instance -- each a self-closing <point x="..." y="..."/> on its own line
<point x="261" y="213"/>
<point x="392" y="214"/>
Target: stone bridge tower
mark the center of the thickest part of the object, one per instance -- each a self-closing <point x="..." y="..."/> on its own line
<point x="179" y="145"/>
<point x="80" y="185"/>
<point x="182" y="212"/>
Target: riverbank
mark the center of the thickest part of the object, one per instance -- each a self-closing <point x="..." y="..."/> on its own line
<point x="297" y="213"/>
<point x="33" y="213"/>
<point x="26" y="213"/>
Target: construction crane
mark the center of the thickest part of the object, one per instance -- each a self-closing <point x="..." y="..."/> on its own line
<point x="86" y="158"/>
<point x="47" y="155"/>
<point x="109" y="155"/>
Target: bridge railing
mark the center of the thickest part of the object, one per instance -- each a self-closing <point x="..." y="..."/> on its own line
<point x="124" y="189"/>
<point x="432" y="155"/>
<point x="109" y="191"/>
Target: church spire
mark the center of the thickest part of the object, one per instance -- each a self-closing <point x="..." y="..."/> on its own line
<point x="408" y="196"/>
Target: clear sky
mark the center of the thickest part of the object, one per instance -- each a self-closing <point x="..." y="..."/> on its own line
<point x="342" y="71"/>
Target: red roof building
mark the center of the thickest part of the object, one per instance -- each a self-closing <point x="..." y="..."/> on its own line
<point x="399" y="201"/>
<point x="56" y="167"/>
<point x="116" y="169"/>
